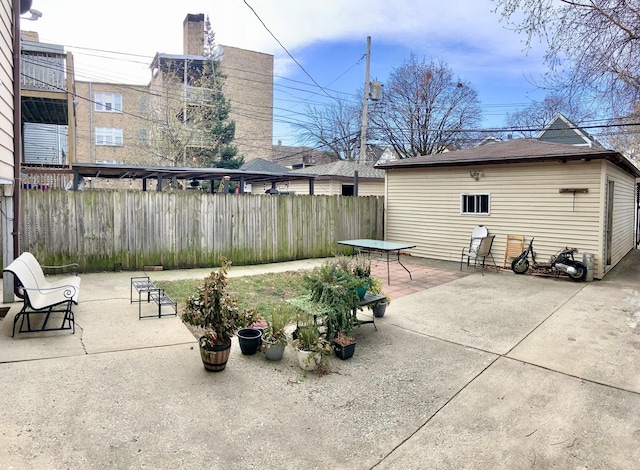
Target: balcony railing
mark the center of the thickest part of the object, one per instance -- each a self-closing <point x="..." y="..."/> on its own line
<point x="197" y="95"/>
<point x="41" y="71"/>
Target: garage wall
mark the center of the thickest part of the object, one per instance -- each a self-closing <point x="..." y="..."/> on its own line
<point x="623" y="235"/>
<point x="423" y="207"/>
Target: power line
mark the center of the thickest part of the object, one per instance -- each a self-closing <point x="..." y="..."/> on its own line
<point x="288" y="53"/>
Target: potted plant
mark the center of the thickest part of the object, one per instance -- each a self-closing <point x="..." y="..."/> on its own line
<point x="361" y="269"/>
<point x="333" y="288"/>
<point x="378" y="308"/>
<point x="274" y="336"/>
<point x="216" y="313"/>
<point x="310" y="347"/>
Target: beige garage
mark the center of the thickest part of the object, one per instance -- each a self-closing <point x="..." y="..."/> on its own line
<point x="560" y="194"/>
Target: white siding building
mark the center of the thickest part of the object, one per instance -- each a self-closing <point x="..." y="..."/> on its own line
<point x="6" y="92"/>
<point x="337" y="179"/>
<point x="560" y="194"/>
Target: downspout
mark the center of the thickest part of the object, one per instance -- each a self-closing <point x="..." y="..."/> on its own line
<point x="92" y="141"/>
<point x="17" y="129"/>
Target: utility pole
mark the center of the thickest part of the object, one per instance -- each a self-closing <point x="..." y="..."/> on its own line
<point x="365" y="107"/>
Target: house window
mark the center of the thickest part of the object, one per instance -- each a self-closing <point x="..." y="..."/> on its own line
<point x="347" y="190"/>
<point x="475" y="204"/>
<point x="108" y="136"/>
<point x="142" y="137"/>
<point x="108" y="102"/>
<point x="142" y="104"/>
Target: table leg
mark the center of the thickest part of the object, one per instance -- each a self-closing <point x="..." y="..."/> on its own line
<point x="405" y="268"/>
<point x="388" y="274"/>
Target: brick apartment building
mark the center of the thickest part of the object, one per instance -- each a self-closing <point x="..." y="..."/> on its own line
<point x="113" y="123"/>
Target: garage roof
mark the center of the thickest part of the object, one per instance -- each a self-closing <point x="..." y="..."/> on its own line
<point x="514" y="151"/>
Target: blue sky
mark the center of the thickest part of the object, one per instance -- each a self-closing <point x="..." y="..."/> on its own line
<point x="115" y="42"/>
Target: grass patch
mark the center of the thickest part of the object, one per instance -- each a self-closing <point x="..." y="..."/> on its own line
<point x="265" y="292"/>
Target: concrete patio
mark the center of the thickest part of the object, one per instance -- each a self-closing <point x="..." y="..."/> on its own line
<point x="472" y="371"/>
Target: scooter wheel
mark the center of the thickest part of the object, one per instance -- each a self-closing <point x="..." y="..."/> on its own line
<point x="580" y="274"/>
<point x="520" y="265"/>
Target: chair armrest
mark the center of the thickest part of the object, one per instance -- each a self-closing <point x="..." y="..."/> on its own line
<point x="68" y="291"/>
<point x="73" y="268"/>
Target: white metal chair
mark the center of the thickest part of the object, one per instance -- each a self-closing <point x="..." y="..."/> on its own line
<point x="471" y="251"/>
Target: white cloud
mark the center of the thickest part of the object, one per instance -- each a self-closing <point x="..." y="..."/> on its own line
<point x="426" y="26"/>
<point x="465" y="33"/>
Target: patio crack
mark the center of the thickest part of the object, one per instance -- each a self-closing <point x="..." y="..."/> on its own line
<point x="497" y="357"/>
<point x="84" y="346"/>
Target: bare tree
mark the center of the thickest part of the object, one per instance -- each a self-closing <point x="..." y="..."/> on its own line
<point x="529" y="121"/>
<point x="592" y="45"/>
<point x="334" y="128"/>
<point x="425" y="110"/>
<point x="624" y="135"/>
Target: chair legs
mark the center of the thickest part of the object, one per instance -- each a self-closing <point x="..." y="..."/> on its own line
<point x="494" y="263"/>
<point x="468" y="255"/>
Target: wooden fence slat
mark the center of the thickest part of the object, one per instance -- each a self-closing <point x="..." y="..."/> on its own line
<point x="102" y="230"/>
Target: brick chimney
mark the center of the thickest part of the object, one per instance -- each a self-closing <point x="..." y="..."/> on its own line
<point x="193" y="30"/>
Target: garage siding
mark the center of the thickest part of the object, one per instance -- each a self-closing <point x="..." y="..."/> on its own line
<point x="423" y="207"/>
<point x="623" y="235"/>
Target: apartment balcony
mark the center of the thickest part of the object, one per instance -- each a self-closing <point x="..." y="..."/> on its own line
<point x="201" y="139"/>
<point x="200" y="96"/>
<point x="47" y="104"/>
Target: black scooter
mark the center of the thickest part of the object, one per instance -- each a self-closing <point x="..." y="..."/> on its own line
<point x="562" y="261"/>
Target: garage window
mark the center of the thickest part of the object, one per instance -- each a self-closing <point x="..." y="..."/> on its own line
<point x="475" y="204"/>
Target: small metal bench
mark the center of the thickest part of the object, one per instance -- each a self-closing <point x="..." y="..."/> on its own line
<point x="367" y="301"/>
<point x="144" y="285"/>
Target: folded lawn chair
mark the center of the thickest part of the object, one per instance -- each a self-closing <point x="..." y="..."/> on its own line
<point x="514" y="248"/>
<point x="484" y="250"/>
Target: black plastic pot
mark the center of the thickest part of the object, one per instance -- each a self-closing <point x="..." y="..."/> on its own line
<point x="378" y="310"/>
<point x="344" y="352"/>
<point x="250" y="340"/>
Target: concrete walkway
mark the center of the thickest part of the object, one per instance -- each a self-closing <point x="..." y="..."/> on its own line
<point x="482" y="372"/>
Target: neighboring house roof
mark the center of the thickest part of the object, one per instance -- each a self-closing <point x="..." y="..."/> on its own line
<point x="287" y="155"/>
<point x="374" y="153"/>
<point x="514" y="151"/>
<point x="260" y="164"/>
<point x="561" y="130"/>
<point x="388" y="155"/>
<point x="342" y="169"/>
<point x="490" y="140"/>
